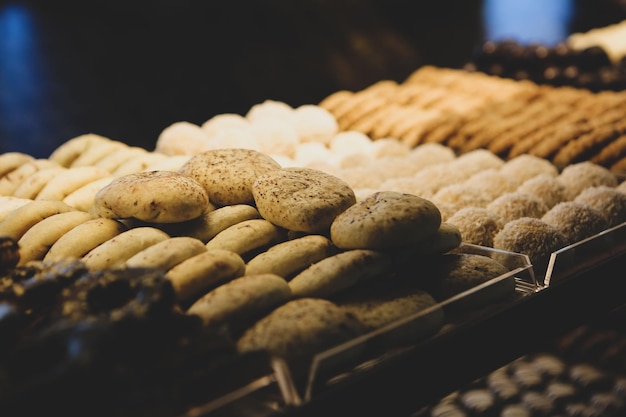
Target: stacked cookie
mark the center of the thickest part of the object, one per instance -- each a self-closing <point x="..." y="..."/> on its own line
<point x="246" y="244"/>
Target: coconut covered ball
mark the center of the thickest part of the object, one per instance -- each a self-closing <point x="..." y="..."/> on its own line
<point x="532" y="237"/>
<point x="395" y="166"/>
<point x="477" y="225"/>
<point x="511" y="206"/>
<point x="362" y="177"/>
<point x="547" y="188"/>
<point x="275" y="137"/>
<point x="315" y="124"/>
<point x="430" y="153"/>
<point x="621" y="187"/>
<point x="477" y="160"/>
<point x="608" y="201"/>
<point x="492" y="182"/>
<point x="435" y="177"/>
<point x="526" y="166"/>
<point x="224" y="121"/>
<point x="575" y="220"/>
<point x="182" y="138"/>
<point x="461" y="195"/>
<point x="577" y="177"/>
<point x="385" y="147"/>
<point x="270" y="109"/>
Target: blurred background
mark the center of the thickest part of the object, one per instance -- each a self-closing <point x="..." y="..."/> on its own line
<point x="126" y="69"/>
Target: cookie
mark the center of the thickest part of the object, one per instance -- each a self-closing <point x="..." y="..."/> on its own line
<point x="577" y="177"/>
<point x="576" y="220"/>
<point x="607" y="200"/>
<point x="385" y="219"/>
<point x="153" y="196"/>
<point x="529" y="236"/>
<point x="301" y="199"/>
<point x="455" y="273"/>
<point x="228" y="174"/>
<point x="338" y="272"/>
<point x="408" y="314"/>
<point x="300" y="329"/>
<point x="241" y="300"/>
<point x="477" y="225"/>
<point x="291" y="257"/>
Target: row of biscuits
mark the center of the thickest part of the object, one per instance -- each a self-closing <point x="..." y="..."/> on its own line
<point x="467" y="110"/>
<point x="491" y="190"/>
<point x="260" y="238"/>
<point x="430" y="170"/>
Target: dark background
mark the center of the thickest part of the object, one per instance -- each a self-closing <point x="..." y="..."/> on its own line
<point x="128" y="69"/>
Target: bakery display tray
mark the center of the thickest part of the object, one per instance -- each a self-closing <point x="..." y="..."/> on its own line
<point x="365" y="376"/>
<point x="361" y="358"/>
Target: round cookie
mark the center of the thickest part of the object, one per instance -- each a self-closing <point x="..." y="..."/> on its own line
<point x="576" y="220"/>
<point x="152" y="196"/>
<point x="386" y="302"/>
<point x="299" y="329"/>
<point x="607" y="200"/>
<point x="454" y="273"/>
<point x="462" y="195"/>
<point x="577" y="177"/>
<point x="532" y="237"/>
<point x="526" y="166"/>
<point x="241" y="300"/>
<point x="301" y="199"/>
<point x="228" y="174"/>
<point x="385" y="219"/>
<point x="545" y="187"/>
<point x="338" y="272"/>
<point x="477" y="225"/>
<point x="511" y="206"/>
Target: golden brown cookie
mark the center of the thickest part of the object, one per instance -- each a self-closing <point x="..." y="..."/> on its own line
<point x="301" y="199"/>
<point x="385" y="219"/>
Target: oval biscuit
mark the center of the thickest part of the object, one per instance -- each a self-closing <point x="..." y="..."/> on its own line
<point x="228" y="174"/>
<point x="338" y="272"/>
<point x="288" y="258"/>
<point x="386" y="219"/>
<point x="153" y="196"/>
<point x="302" y="199"/>
<point x="242" y="299"/>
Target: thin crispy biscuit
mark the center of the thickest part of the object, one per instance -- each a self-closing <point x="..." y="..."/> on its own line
<point x="547" y="148"/>
<point x="362" y="110"/>
<point x="368" y="124"/>
<point x="407" y="93"/>
<point x="346" y="106"/>
<point x="619" y="167"/>
<point x="418" y="134"/>
<point x="529" y="142"/>
<point x="429" y="97"/>
<point x="502" y="145"/>
<point x="611" y="153"/>
<point x="412" y="117"/>
<point x="384" y="127"/>
<point x="336" y="99"/>
<point x="443" y="131"/>
<point x="582" y="147"/>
